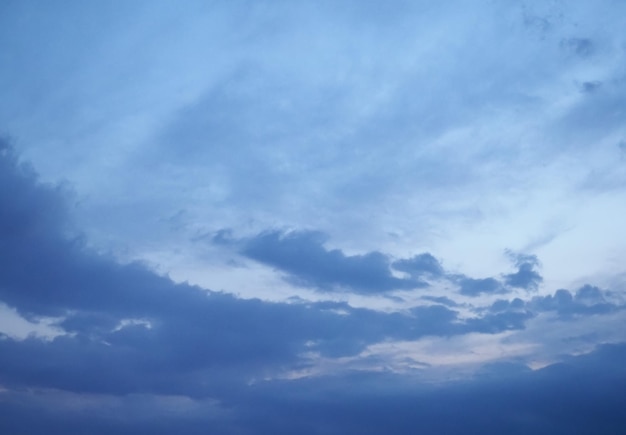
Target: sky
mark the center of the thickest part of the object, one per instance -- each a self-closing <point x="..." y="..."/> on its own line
<point x="346" y="217"/>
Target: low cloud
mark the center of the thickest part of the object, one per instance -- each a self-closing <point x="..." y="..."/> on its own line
<point x="582" y="395"/>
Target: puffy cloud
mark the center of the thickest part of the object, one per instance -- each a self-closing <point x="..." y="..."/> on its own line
<point x="587" y="300"/>
<point x="525" y="277"/>
<point x="419" y="265"/>
<point x="582" y="395"/>
<point x="505" y="305"/>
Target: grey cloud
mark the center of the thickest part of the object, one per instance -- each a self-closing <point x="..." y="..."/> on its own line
<point x="132" y="331"/>
<point x="443" y="300"/>
<point x="525" y="277"/>
<point x="195" y="343"/>
<point x="590" y="86"/>
<point x="475" y="287"/>
<point x="587" y="300"/>
<point x="502" y="305"/>
<point x="419" y="265"/>
<point x="581" y="396"/>
<point x="307" y="262"/>
<point x="500" y="322"/>
<point x="287" y="94"/>
<point x="301" y="255"/>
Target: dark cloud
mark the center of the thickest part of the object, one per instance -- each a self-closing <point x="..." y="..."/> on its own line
<point x="590" y="86"/>
<point x="504" y="315"/>
<point x="302" y="255"/>
<point x="587" y="300"/>
<point x="28" y="209"/>
<point x="526" y="277"/>
<point x="475" y="287"/>
<point x="498" y="322"/>
<point x="565" y="399"/>
<point x="502" y="305"/>
<point x="198" y="351"/>
<point x="419" y="265"/>
<point x="582" y="395"/>
<point x="133" y="333"/>
<point x="441" y="300"/>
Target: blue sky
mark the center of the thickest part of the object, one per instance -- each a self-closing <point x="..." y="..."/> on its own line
<point x="312" y="217"/>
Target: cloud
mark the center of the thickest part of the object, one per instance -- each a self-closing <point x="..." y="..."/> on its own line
<point x="587" y="300"/>
<point x="590" y="86"/>
<point x="388" y="129"/>
<point x="132" y="331"/>
<point x="475" y="287"/>
<point x="302" y="255"/>
<point x="29" y="210"/>
<point x="583" y="47"/>
<point x="525" y="277"/>
<point x="582" y="395"/>
<point x="443" y="300"/>
<point x="419" y="265"/>
<point x="505" y="305"/>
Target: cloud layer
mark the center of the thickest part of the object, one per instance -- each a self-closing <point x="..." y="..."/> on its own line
<point x="127" y="332"/>
<point x="312" y="217"/>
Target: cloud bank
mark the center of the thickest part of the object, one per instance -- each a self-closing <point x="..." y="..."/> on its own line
<point x="128" y="335"/>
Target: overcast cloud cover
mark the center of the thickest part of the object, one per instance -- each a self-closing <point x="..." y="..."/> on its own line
<point x="344" y="217"/>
